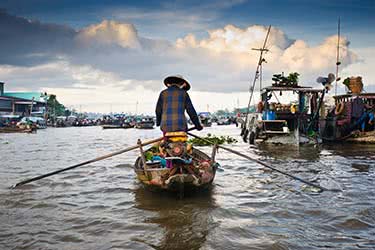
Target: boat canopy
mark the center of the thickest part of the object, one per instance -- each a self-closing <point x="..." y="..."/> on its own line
<point x="362" y="95"/>
<point x="204" y="114"/>
<point x="32" y="118"/>
<point x="368" y="98"/>
<point x="296" y="89"/>
<point x="10" y="116"/>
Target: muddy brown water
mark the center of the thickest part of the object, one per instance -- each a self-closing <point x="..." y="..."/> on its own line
<point x="102" y="205"/>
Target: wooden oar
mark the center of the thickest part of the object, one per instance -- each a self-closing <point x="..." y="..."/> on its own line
<point x="90" y="161"/>
<point x="265" y="165"/>
<point x="86" y="162"/>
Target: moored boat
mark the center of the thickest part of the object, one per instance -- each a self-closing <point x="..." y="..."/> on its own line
<point x="176" y="167"/>
<point x="352" y="120"/>
<point x="205" y="119"/>
<point x="145" y="123"/>
<point x="111" y="126"/>
<point x="17" y="130"/>
<point x="294" y="121"/>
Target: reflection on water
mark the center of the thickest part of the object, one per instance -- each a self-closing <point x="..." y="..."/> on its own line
<point x="185" y="223"/>
<point x="102" y="205"/>
<point x="282" y="152"/>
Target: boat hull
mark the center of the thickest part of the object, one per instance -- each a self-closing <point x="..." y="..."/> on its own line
<point x="177" y="180"/>
<point x="124" y="126"/>
<point x="146" y="125"/>
<point x="16" y="130"/>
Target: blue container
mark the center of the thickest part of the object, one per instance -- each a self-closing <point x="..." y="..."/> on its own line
<point x="270" y="115"/>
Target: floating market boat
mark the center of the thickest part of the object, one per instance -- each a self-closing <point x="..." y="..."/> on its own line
<point x="352" y="119"/>
<point x="113" y="126"/>
<point x="205" y="119"/>
<point x="17" y="130"/>
<point x="223" y="121"/>
<point x="175" y="166"/>
<point x="145" y="123"/>
<point x="294" y="120"/>
<point x="38" y="122"/>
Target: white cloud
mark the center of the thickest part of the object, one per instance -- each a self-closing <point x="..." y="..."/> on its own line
<point x="234" y="46"/>
<point x="300" y="57"/>
<point x="109" y="33"/>
<point x="364" y="68"/>
<point x="233" y="39"/>
<point x="111" y="62"/>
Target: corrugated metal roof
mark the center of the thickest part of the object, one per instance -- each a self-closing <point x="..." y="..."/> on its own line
<point x="26" y="95"/>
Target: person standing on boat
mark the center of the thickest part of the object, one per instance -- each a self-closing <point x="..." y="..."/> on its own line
<point x="171" y="106"/>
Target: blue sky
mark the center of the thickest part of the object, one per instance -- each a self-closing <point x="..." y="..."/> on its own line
<point x="307" y="19"/>
<point x="93" y="52"/>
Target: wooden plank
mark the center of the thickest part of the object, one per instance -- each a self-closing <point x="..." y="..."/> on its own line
<point x="275" y="132"/>
<point x="272" y="121"/>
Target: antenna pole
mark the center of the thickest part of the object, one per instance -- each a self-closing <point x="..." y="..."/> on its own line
<point x="262" y="50"/>
<point x="337" y="56"/>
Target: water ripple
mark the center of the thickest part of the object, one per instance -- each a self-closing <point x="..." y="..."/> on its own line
<point x="102" y="206"/>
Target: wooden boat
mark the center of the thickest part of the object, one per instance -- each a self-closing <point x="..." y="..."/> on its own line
<point x="362" y="137"/>
<point x="285" y="123"/>
<point x="352" y="119"/>
<point x="16" y="130"/>
<point x="127" y="125"/>
<point x="341" y="126"/>
<point x="112" y="126"/>
<point x="145" y="123"/>
<point x="180" y="176"/>
<point x="205" y="119"/>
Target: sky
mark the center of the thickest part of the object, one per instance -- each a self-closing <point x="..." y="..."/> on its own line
<point x="112" y="56"/>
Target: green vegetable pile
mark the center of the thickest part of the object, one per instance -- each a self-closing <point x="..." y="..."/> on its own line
<point x="213" y="139"/>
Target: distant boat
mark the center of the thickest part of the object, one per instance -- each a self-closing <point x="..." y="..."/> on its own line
<point x="10" y="124"/>
<point x="39" y="122"/>
<point x="223" y="121"/>
<point x="205" y="119"/>
<point x="112" y="126"/>
<point x="145" y="123"/>
<point x="17" y="130"/>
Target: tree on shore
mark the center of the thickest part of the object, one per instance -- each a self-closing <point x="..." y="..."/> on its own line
<point x="55" y="108"/>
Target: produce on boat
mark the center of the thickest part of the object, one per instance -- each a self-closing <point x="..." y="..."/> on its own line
<point x="210" y="140"/>
<point x="352" y="118"/>
<point x="175" y="165"/>
<point x="294" y="121"/>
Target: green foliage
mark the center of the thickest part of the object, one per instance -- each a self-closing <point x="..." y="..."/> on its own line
<point x="290" y="80"/>
<point x="213" y="139"/>
<point x="346" y="82"/>
<point x="148" y="155"/>
<point x="293" y="78"/>
<point x="55" y="108"/>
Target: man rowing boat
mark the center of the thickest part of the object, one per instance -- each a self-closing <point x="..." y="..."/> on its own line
<point x="171" y="106"/>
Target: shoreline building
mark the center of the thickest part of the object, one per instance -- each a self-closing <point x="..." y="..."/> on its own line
<point x="22" y="103"/>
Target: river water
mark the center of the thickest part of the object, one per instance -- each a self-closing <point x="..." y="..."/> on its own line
<point x="102" y="205"/>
